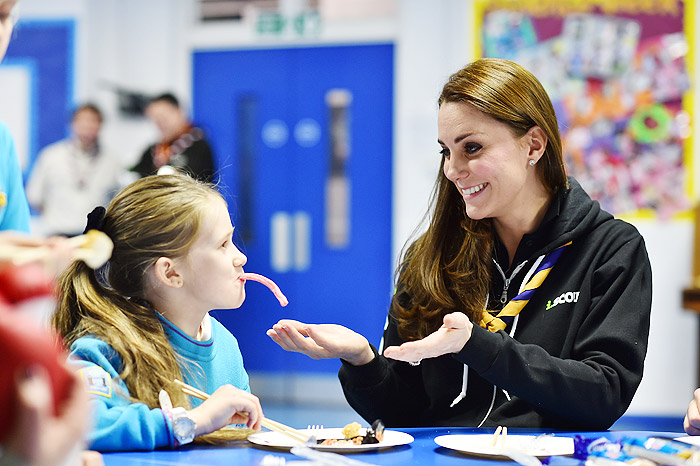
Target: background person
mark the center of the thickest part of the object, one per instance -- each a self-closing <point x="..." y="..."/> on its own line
<point x="508" y="233"/>
<point x="72" y="176"/>
<point x="182" y="146"/>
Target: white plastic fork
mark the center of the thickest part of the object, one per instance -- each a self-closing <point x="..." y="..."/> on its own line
<point x="311" y="442"/>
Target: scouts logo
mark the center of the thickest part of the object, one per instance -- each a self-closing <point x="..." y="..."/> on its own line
<point x="568" y="297"/>
<point x="97" y="381"/>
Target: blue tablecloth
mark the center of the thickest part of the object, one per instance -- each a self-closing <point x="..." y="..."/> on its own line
<point x="423" y="451"/>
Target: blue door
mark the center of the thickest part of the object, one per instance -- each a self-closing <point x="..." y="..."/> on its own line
<point x="303" y="138"/>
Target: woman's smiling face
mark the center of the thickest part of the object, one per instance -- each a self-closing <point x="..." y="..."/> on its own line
<point x="484" y="160"/>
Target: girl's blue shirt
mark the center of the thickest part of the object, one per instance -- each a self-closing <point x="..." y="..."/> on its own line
<point x="120" y="424"/>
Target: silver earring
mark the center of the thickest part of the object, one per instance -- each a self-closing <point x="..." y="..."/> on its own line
<point x="532" y="162"/>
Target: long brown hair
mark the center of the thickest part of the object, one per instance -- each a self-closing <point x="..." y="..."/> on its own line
<point x="447" y="268"/>
<point x="156" y="216"/>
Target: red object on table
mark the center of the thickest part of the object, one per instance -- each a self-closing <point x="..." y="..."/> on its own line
<point x="25" y="342"/>
<point x="20" y="282"/>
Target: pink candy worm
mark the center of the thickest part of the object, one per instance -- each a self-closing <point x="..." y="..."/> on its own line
<point x="268" y="283"/>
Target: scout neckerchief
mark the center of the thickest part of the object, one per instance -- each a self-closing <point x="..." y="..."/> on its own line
<point x="495" y="323"/>
<point x="164" y="151"/>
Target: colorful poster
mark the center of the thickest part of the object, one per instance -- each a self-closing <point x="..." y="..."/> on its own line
<point x="617" y="74"/>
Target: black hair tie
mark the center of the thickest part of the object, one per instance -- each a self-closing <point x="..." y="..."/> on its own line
<point x="95" y="219"/>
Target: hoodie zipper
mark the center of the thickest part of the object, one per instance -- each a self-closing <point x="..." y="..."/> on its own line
<point x="506" y="281"/>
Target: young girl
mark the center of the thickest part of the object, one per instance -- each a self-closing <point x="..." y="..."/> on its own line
<point x="144" y="322"/>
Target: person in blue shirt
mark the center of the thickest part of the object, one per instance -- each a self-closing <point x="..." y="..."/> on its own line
<point x="14" y="209"/>
<point x="37" y="434"/>
<point x="144" y="322"/>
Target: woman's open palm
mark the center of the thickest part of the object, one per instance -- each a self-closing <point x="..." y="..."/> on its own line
<point x="321" y="341"/>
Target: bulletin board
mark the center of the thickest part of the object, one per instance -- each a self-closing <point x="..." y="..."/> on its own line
<point x="618" y="73"/>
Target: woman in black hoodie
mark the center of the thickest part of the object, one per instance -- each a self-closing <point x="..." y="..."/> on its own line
<point x="523" y="304"/>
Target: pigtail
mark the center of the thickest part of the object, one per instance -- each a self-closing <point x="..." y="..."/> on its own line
<point x="132" y="329"/>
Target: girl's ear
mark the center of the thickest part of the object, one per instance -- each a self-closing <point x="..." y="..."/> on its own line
<point x="537" y="143"/>
<point x="165" y="272"/>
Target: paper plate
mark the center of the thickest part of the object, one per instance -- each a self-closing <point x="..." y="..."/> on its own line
<point x="392" y="438"/>
<point x="482" y="444"/>
<point x="693" y="440"/>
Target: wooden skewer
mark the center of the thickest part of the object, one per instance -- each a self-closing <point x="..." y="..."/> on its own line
<point x="266" y="422"/>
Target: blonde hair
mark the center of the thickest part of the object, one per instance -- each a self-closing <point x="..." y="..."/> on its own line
<point x="156" y="216"/>
<point x="447" y="268"/>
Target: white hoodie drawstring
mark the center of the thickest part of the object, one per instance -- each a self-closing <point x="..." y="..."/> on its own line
<point x="381" y="342"/>
<point x="528" y="275"/>
<point x="506" y="282"/>
<point x="465" y="380"/>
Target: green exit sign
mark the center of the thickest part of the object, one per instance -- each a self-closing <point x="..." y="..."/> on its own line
<point x="302" y="24"/>
<point x="271" y="23"/>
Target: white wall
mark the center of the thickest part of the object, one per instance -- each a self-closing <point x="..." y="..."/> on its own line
<point x="146" y="45"/>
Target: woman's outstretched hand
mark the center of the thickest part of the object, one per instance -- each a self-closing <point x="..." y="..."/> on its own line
<point x="322" y="341"/>
<point x="450" y="338"/>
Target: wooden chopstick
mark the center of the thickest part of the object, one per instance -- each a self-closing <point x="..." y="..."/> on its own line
<point x="500" y="434"/>
<point x="266" y="422"/>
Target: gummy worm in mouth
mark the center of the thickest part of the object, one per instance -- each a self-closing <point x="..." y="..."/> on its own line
<point x="268" y="283"/>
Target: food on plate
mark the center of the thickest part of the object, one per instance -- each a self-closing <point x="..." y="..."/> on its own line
<point x="351" y="432"/>
<point x="268" y="283"/>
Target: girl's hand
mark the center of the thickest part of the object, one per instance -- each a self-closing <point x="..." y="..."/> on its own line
<point x="450" y="338"/>
<point x="322" y="341"/>
<point x="227" y="405"/>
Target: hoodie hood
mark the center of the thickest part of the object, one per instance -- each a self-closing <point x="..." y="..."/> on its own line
<point x="572" y="215"/>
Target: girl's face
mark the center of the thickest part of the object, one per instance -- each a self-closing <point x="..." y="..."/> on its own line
<point x="8" y="15"/>
<point x="212" y="268"/>
<point x="484" y="160"/>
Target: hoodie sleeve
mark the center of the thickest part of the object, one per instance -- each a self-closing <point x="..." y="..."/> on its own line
<point x="593" y="382"/>
<point x="384" y="388"/>
<point x="118" y="423"/>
